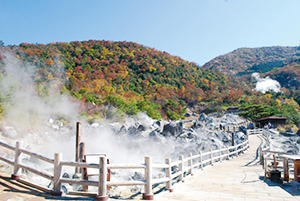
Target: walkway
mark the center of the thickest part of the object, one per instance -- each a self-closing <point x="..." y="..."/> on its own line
<point x="238" y="179"/>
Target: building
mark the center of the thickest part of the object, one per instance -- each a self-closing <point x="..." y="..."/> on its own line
<point x="275" y="121"/>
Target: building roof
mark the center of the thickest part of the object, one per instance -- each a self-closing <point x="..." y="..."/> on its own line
<point x="271" y="118"/>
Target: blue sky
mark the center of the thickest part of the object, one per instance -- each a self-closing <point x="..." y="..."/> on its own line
<point x="195" y="30"/>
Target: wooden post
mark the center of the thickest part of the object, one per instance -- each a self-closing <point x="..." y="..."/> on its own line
<point x="232" y="139"/>
<point x="81" y="153"/>
<point x="297" y="170"/>
<point x="57" y="175"/>
<point x="148" y="195"/>
<point x="102" y="186"/>
<point x="17" y="173"/>
<point x="200" y="160"/>
<point x="108" y="175"/>
<point x="285" y="169"/>
<point x="181" y="168"/>
<point x="169" y="175"/>
<point x="78" y="140"/>
<point x="211" y="157"/>
<point x="85" y="177"/>
<point x="265" y="167"/>
<point x="227" y="153"/>
<point x="190" y="163"/>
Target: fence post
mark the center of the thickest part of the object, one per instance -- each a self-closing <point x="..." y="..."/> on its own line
<point x="227" y="148"/>
<point x="81" y="153"/>
<point x="181" y="168"/>
<point x="200" y="160"/>
<point x="102" y="185"/>
<point x="169" y="175"/>
<point x="242" y="147"/>
<point x="57" y="175"/>
<point x="17" y="173"/>
<point x="285" y="169"/>
<point x="265" y="167"/>
<point x="211" y="157"/>
<point x="148" y="195"/>
<point x="78" y="140"/>
<point x="190" y="163"/>
<point x="235" y="149"/>
<point x="220" y="155"/>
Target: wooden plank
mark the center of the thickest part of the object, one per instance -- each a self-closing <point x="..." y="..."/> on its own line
<point x="42" y="174"/>
<point x="37" y="156"/>
<point x="160" y="180"/>
<point x="125" y="183"/>
<point x="79" y="182"/>
<point x="6" y="160"/>
<point x="7" y="146"/>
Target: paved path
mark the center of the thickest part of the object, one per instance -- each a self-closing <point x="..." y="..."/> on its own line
<point x="238" y="179"/>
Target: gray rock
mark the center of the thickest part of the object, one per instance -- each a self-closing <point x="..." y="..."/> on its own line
<point x="202" y="117"/>
<point x="174" y="128"/>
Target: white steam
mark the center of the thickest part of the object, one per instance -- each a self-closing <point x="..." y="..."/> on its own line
<point x="265" y="84"/>
<point x="25" y="107"/>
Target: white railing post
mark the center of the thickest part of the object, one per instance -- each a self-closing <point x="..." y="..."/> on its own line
<point x="190" y="163"/>
<point x="17" y="172"/>
<point x="228" y="152"/>
<point x="200" y="160"/>
<point x="57" y="175"/>
<point x="181" y="168"/>
<point x="102" y="183"/>
<point x="220" y="155"/>
<point x="169" y="175"/>
<point x="211" y="157"/>
<point x="236" y="151"/>
<point x="242" y="147"/>
<point x="148" y="195"/>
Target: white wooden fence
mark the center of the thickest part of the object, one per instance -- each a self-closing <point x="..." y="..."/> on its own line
<point x="277" y="161"/>
<point x="186" y="166"/>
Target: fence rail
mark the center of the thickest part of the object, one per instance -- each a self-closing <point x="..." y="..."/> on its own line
<point x="185" y="166"/>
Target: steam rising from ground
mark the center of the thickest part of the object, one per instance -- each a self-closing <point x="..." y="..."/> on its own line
<point x="35" y="121"/>
<point x="265" y="84"/>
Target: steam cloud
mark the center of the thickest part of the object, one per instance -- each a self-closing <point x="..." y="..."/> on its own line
<point x="33" y="120"/>
<point x="265" y="84"/>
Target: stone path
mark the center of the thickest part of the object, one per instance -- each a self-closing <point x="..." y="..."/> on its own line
<point x="240" y="179"/>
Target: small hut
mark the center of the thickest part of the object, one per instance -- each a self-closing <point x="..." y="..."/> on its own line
<point x="274" y="121"/>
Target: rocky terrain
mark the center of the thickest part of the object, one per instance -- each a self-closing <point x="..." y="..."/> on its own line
<point x="128" y="143"/>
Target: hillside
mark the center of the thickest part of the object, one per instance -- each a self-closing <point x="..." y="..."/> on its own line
<point x="248" y="60"/>
<point x="127" y="75"/>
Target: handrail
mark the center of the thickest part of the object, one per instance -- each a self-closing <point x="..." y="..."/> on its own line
<point x="185" y="165"/>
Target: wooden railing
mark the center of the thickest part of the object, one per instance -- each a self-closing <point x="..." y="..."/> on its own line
<point x="186" y="166"/>
<point x="275" y="162"/>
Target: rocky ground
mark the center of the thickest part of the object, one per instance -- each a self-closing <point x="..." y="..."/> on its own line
<point x="128" y="142"/>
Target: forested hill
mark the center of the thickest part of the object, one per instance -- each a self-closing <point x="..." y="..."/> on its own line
<point x="248" y="60"/>
<point x="127" y="75"/>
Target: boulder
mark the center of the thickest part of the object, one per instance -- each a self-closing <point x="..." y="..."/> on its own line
<point x="202" y="117"/>
<point x="298" y="133"/>
<point x="174" y="128"/>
